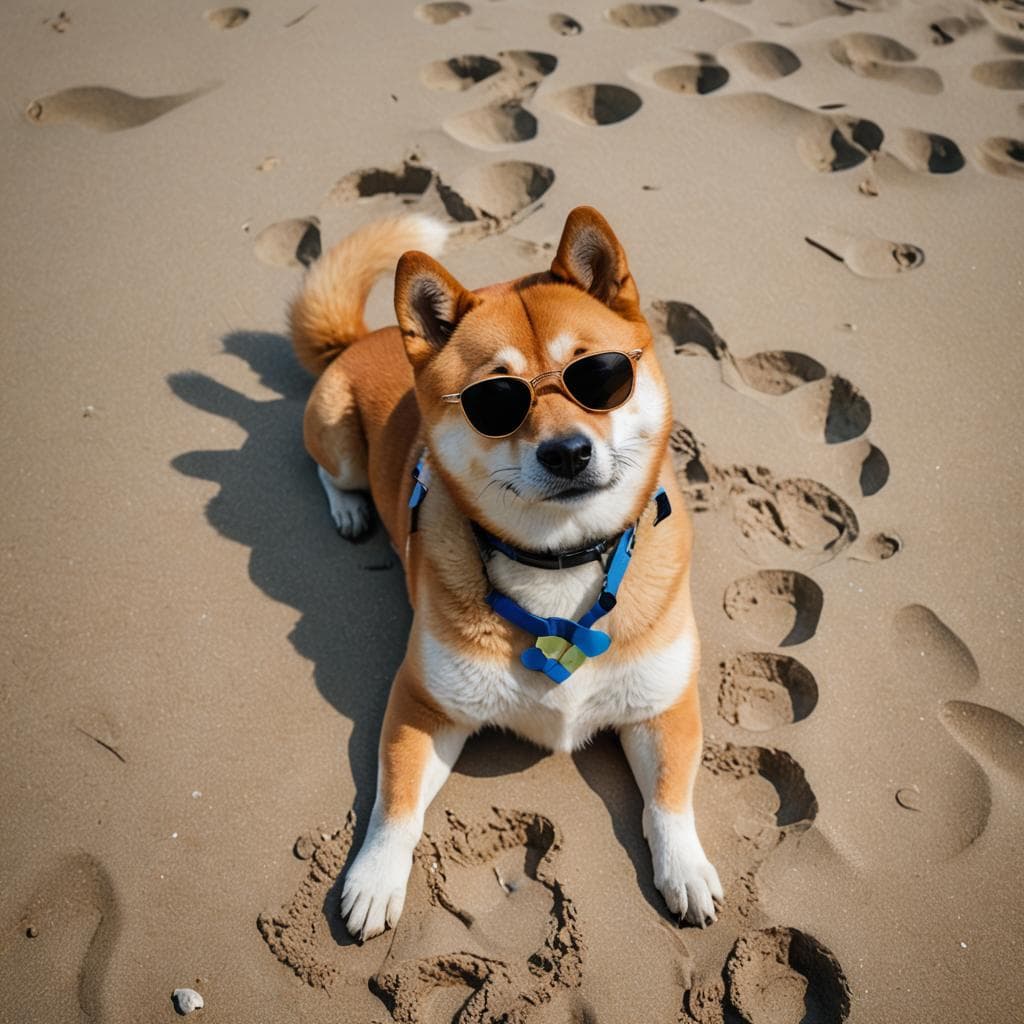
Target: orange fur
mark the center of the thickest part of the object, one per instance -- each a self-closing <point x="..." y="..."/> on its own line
<point x="410" y="721"/>
<point x="679" y="737"/>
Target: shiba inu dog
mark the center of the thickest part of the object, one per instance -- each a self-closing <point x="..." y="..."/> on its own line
<point x="527" y="423"/>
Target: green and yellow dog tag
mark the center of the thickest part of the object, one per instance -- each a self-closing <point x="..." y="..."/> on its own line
<point x="566" y="654"/>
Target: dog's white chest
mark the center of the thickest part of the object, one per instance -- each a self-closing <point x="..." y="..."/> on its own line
<point x="605" y="692"/>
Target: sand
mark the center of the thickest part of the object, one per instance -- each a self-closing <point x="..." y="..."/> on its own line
<point x="822" y="203"/>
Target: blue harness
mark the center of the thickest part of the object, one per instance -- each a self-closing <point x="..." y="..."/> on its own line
<point x="562" y="645"/>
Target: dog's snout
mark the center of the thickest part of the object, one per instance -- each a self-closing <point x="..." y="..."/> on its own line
<point x="565" y="456"/>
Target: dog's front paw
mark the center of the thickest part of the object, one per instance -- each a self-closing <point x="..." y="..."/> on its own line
<point x="682" y="872"/>
<point x="350" y="510"/>
<point x="351" y="514"/>
<point x="374" y="891"/>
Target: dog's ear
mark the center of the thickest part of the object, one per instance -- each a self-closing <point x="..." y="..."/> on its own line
<point x="429" y="304"/>
<point x="590" y="257"/>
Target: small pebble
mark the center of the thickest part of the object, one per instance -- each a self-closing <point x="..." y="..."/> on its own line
<point x="196" y="794"/>
<point x="186" y="1000"/>
<point x="31" y="931"/>
<point x="305" y="846"/>
<point x="89" y="410"/>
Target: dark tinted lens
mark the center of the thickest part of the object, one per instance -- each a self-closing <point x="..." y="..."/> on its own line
<point x="601" y="381"/>
<point x="498" y="406"/>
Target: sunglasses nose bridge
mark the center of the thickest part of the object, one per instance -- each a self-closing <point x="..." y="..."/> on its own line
<point x="550" y="380"/>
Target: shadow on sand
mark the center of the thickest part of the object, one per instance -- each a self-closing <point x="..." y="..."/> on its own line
<point x="354" y="617"/>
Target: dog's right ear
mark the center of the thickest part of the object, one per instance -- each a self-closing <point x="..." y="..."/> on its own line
<point x="429" y="304"/>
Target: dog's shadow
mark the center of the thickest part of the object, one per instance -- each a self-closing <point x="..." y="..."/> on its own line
<point x="354" y="617"/>
<point x="353" y="614"/>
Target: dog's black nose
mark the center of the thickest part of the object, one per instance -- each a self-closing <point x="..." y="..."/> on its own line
<point x="565" y="456"/>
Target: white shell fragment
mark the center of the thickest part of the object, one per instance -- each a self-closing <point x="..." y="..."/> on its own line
<point x="186" y="1000"/>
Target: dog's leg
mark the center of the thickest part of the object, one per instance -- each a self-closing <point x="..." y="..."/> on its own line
<point x="664" y="753"/>
<point x="419" y="745"/>
<point x="334" y="437"/>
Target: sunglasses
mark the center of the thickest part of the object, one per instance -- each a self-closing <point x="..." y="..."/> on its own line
<point x="498" y="406"/>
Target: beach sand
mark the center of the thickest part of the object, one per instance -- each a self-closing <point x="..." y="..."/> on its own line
<point x="822" y="204"/>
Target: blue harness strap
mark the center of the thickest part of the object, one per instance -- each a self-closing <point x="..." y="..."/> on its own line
<point x="562" y="645"/>
<point x="421" y="484"/>
<point x="578" y="640"/>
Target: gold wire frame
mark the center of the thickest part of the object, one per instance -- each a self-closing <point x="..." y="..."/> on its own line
<point x="634" y="356"/>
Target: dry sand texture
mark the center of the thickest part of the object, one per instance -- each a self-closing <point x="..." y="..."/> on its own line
<point x="823" y="203"/>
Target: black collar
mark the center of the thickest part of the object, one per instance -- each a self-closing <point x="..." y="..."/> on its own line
<point x="542" y="559"/>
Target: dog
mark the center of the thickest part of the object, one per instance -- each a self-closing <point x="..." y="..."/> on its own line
<point x="527" y="425"/>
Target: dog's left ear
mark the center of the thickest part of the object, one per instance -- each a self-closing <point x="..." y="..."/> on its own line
<point x="590" y="257"/>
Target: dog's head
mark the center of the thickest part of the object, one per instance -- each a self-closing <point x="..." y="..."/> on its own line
<point x="567" y="474"/>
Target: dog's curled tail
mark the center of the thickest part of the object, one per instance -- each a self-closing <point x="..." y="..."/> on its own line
<point x="327" y="315"/>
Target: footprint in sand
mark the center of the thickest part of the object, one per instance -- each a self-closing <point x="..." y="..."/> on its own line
<point x="931" y="652"/>
<point x="768" y="61"/>
<point x="512" y="74"/>
<point x="510" y="80"/>
<point x="595" y="105"/>
<point x="879" y="547"/>
<point x="868" y="257"/>
<point x="289" y="243"/>
<point x="693" y="79"/>
<point x="227" y="17"/>
<point x="950" y="791"/>
<point x="1000" y="74"/>
<point x="103" y="109"/>
<point x="641" y="15"/>
<point x="746" y="969"/>
<point x="442" y="12"/>
<point x="791" y="522"/>
<point x="925" y="152"/>
<point x="496" y="195"/>
<point x="776" y="975"/>
<point x="837" y="142"/>
<point x="493" y="127"/>
<point x="60" y="944"/>
<point x="1003" y="156"/>
<point x="794" y="522"/>
<point x="307" y="934"/>
<point x="492" y="196"/>
<point x="822" y="406"/>
<point x="874" y="471"/>
<point x="885" y="60"/>
<point x="793" y="807"/>
<point x="410" y="181"/>
<point x="564" y="25"/>
<point x="511" y="926"/>
<point x="479" y="879"/>
<point x="769" y="373"/>
<point x="1005" y="17"/>
<point x="799" y="521"/>
<point x="458" y="73"/>
<point x="994" y="740"/>
<point x="834" y="411"/>
<point x="825" y="142"/>
<point x="776" y="607"/>
<point x="760" y="691"/>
